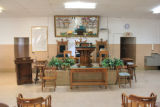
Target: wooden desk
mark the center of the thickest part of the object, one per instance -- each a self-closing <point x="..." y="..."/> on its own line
<point x="85" y="55"/>
<point x="103" y="81"/>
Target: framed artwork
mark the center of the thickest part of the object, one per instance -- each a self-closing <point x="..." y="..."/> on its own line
<point x="39" y="38"/>
<point x="76" y="26"/>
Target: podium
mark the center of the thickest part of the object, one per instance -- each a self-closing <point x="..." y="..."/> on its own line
<point x="24" y="70"/>
<point x="85" y="52"/>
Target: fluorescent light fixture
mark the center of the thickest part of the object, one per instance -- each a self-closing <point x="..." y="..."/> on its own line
<point x="156" y="10"/>
<point x="80" y="5"/>
<point x="38" y="28"/>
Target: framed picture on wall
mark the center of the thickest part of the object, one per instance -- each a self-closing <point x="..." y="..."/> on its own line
<point x="76" y="26"/>
<point x="39" y="38"/>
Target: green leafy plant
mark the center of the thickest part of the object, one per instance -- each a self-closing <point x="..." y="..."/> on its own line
<point x="107" y="62"/>
<point x="112" y="63"/>
<point x="118" y="62"/>
<point x="55" y="62"/>
<point x="68" y="62"/>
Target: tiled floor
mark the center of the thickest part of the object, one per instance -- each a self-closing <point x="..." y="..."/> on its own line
<point x="147" y="82"/>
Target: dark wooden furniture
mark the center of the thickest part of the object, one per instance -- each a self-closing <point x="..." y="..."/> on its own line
<point x="128" y="48"/>
<point x="100" y="45"/>
<point x="24" y="70"/>
<point x="21" y="47"/>
<point x="49" y="76"/>
<point x="138" y="101"/>
<point x="85" y="55"/>
<point x="33" y="102"/>
<point x="3" y="105"/>
<point x="122" y="73"/>
<point x="103" y="81"/>
<point x="77" y="54"/>
<point x="61" y="47"/>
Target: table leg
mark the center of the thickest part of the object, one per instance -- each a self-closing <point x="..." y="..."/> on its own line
<point x="71" y="80"/>
<point x="105" y="77"/>
<point x="36" y="78"/>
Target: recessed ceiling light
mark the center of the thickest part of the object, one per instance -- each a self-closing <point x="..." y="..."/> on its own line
<point x="156" y="10"/>
<point x="1" y="9"/>
<point x="80" y="5"/>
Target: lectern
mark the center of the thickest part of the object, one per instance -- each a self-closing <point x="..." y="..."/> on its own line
<point x="24" y="70"/>
<point x="85" y="55"/>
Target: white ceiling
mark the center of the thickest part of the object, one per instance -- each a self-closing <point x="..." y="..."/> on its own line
<point x="111" y="8"/>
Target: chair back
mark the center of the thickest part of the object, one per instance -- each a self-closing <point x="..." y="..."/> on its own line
<point x="69" y="53"/>
<point x="100" y="45"/>
<point x="33" y="102"/>
<point x="138" y="101"/>
<point x="103" y="54"/>
<point x="61" y="46"/>
<point x="50" y="72"/>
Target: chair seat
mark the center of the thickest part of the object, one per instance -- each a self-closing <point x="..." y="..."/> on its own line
<point x="130" y="63"/>
<point x="61" y="55"/>
<point x="124" y="74"/>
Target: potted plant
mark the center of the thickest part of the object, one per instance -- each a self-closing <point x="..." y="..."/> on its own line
<point x="112" y="63"/>
<point x="68" y="62"/>
<point x="108" y="62"/>
<point x="55" y="62"/>
<point x="118" y="62"/>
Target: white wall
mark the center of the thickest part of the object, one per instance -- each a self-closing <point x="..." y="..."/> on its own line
<point x="147" y="31"/>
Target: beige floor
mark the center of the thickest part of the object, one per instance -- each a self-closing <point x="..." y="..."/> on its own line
<point x="148" y="81"/>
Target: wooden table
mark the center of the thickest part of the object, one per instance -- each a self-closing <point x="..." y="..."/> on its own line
<point x="85" y="55"/>
<point x="125" y="60"/>
<point x="39" y="65"/>
<point x="103" y="81"/>
<point x="39" y="68"/>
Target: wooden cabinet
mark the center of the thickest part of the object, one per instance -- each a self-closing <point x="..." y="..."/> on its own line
<point x="24" y="70"/>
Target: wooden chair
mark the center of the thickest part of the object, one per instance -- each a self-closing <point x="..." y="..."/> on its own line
<point x="103" y="54"/>
<point x="61" y="47"/>
<point x="122" y="73"/>
<point x="49" y="76"/>
<point x="100" y="45"/>
<point x="33" y="102"/>
<point x="132" y="70"/>
<point x="67" y="54"/>
<point x="3" y="105"/>
<point x="137" y="101"/>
